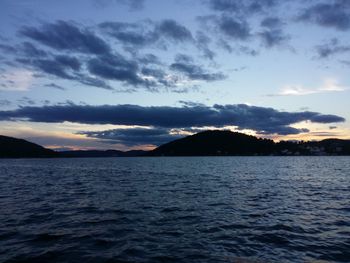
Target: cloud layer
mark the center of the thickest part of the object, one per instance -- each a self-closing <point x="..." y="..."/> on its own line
<point x="260" y="119"/>
<point x="92" y="60"/>
<point x="125" y="56"/>
<point x="333" y="14"/>
<point x="64" y="35"/>
<point x="135" y="136"/>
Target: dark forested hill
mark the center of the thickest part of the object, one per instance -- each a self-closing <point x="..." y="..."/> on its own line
<point x="212" y="143"/>
<point x="18" y="148"/>
<point x="208" y="143"/>
<point x="216" y="143"/>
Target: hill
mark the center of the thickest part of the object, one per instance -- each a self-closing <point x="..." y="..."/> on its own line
<point x="19" y="148"/>
<point x="207" y="143"/>
<point x="221" y="143"/>
<point x="212" y="143"/>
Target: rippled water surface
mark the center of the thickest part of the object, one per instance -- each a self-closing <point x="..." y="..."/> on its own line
<point x="215" y="209"/>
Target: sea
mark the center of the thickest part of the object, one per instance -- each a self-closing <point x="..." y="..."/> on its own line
<point x="175" y="209"/>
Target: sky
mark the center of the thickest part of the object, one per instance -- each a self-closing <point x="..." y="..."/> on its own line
<point x="134" y="74"/>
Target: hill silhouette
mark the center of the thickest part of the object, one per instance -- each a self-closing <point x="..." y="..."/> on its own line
<point x="207" y="143"/>
<point x="221" y="143"/>
<point x="212" y="143"/>
<point x="19" y="148"/>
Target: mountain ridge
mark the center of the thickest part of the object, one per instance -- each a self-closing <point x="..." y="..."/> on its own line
<point x="206" y="143"/>
<point x="19" y="148"/>
<point x="215" y="143"/>
<point x="228" y="143"/>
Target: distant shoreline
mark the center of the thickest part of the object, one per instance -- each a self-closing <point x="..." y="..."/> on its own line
<point x="160" y="157"/>
<point x="215" y="143"/>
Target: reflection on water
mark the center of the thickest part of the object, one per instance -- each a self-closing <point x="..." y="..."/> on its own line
<point x="205" y="209"/>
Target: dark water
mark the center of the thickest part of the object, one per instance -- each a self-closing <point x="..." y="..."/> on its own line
<point x="224" y="209"/>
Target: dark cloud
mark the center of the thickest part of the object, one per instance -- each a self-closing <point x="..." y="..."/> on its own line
<point x="92" y="81"/>
<point x="45" y="102"/>
<point x="3" y="38"/>
<point x="135" y="71"/>
<point x="196" y="72"/>
<point x="65" y="67"/>
<point x="117" y="68"/>
<point x="323" y="118"/>
<point x="70" y="62"/>
<point x="185" y="65"/>
<point x="59" y="66"/>
<point x="234" y="28"/>
<point x="233" y="21"/>
<point x="335" y="14"/>
<point x="48" y="66"/>
<point x="272" y="33"/>
<point x="273" y="37"/>
<point x="147" y="33"/>
<point x="331" y="48"/>
<point x="149" y="59"/>
<point x="248" y="51"/>
<point x="232" y="33"/>
<point x="225" y="45"/>
<point x="224" y="5"/>
<point x="173" y="30"/>
<point x="29" y="50"/>
<point x="7" y="48"/>
<point x="246" y="7"/>
<point x="64" y="35"/>
<point x="228" y="30"/>
<point x="143" y="34"/>
<point x="202" y="42"/>
<point x="135" y="136"/>
<point x="132" y="69"/>
<point x="183" y="58"/>
<point x="133" y="5"/>
<point x="271" y="22"/>
<point x="131" y="72"/>
<point x="263" y="120"/>
<point x="158" y="74"/>
<point x="135" y="34"/>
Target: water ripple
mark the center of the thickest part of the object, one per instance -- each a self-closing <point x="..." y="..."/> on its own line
<point x="229" y="209"/>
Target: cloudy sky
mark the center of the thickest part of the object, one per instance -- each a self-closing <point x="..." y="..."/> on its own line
<point x="133" y="74"/>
